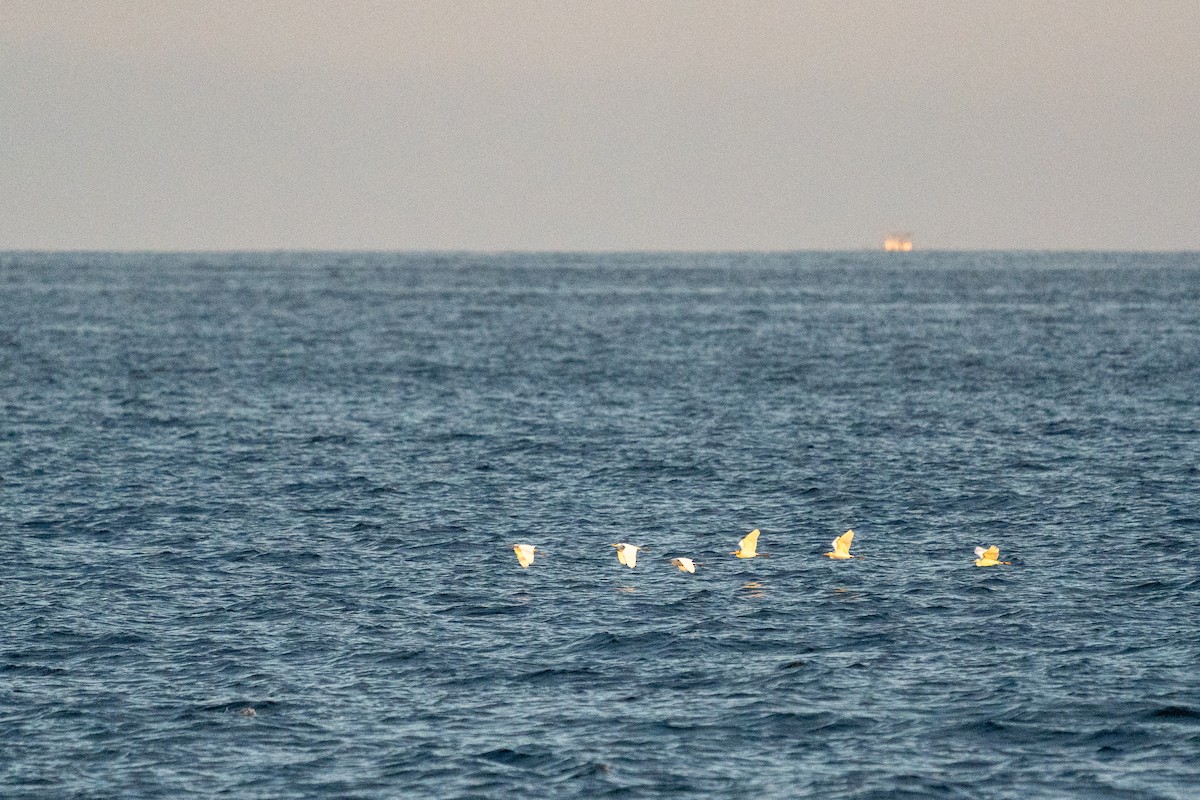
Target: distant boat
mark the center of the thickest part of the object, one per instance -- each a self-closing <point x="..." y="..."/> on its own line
<point x="898" y="242"/>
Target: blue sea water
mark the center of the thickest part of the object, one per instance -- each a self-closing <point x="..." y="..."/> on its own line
<point x="291" y="482"/>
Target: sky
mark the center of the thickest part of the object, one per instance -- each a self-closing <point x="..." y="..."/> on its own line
<point x="599" y="124"/>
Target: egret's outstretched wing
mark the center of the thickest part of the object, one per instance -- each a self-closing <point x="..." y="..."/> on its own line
<point x="979" y="551"/>
<point x="525" y="553"/>
<point x="749" y="543"/>
<point x="841" y="545"/>
<point x="627" y="554"/>
<point x="992" y="552"/>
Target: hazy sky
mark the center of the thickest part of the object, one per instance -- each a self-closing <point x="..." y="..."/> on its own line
<point x="596" y="124"/>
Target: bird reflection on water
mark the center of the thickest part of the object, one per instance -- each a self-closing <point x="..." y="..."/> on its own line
<point x="754" y="590"/>
<point x="848" y="595"/>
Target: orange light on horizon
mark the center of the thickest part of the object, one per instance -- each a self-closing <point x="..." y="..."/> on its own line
<point x="898" y="242"/>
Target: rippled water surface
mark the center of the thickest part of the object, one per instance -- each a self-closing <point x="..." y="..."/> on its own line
<point x="256" y="517"/>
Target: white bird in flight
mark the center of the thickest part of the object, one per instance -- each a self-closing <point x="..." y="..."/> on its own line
<point x="627" y="554"/>
<point x="524" y="554"/>
<point x="841" y="546"/>
<point x="748" y="546"/>
<point x="989" y="557"/>
<point x="684" y="564"/>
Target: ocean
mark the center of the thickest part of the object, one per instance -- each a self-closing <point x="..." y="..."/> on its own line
<point x="257" y="514"/>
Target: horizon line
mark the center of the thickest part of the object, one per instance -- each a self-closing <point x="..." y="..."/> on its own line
<point x="588" y="251"/>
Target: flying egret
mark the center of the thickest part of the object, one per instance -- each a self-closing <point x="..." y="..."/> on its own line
<point x="748" y="546"/>
<point x="989" y="557"/>
<point x="524" y="554"/>
<point x="684" y="564"/>
<point x="841" y="546"/>
<point x="627" y="553"/>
